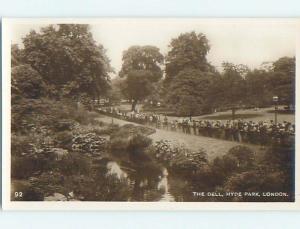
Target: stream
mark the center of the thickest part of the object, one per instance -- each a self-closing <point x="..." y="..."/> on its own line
<point x="146" y="185"/>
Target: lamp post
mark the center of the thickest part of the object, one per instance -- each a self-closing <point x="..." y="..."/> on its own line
<point x="275" y="100"/>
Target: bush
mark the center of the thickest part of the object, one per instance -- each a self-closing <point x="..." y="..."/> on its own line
<point x="178" y="157"/>
<point x="238" y="159"/>
<point x="64" y="139"/>
<point x="189" y="161"/>
<point x="22" y="145"/>
<point x="49" y="182"/>
<point x="89" y="143"/>
<point x="107" y="188"/>
<point x="27" y="82"/>
<point x="82" y="116"/>
<point x="64" y="125"/>
<point x="244" y="156"/>
<point x="106" y="130"/>
<point x="75" y="164"/>
<point x="22" y="167"/>
<point x="138" y="143"/>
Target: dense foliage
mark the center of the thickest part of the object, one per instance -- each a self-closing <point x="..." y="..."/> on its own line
<point x="141" y="68"/>
<point x="68" y="59"/>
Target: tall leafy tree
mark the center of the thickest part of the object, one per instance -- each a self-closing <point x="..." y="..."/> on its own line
<point x="232" y="87"/>
<point x="26" y="82"/>
<point x="16" y="55"/>
<point x="258" y="89"/>
<point x="283" y="80"/>
<point x="69" y="60"/>
<point x="188" y="93"/>
<point x="141" y="68"/>
<point x="188" y="50"/>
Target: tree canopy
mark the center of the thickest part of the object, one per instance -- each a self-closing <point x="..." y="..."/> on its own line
<point x="188" y="50"/>
<point x="147" y="58"/>
<point x="68" y="59"/>
<point x="188" y="92"/>
<point x="27" y="82"/>
<point x="283" y="80"/>
<point x="141" y="69"/>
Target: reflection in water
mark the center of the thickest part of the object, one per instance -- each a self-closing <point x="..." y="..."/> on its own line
<point x="146" y="186"/>
<point x="164" y="186"/>
<point x="114" y="169"/>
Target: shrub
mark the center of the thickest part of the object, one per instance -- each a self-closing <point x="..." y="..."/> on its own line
<point x="27" y="82"/>
<point x="64" y="139"/>
<point x="119" y="144"/>
<point x="179" y="157"/>
<point x="248" y="181"/>
<point x="138" y="143"/>
<point x="107" y="188"/>
<point x="64" y="125"/>
<point x="190" y="161"/>
<point x="106" y="130"/>
<point x="244" y="156"/>
<point x="238" y="159"/>
<point x="22" y="167"/>
<point x="74" y="164"/>
<point x="89" y="143"/>
<point x="49" y="182"/>
<point x="22" y="145"/>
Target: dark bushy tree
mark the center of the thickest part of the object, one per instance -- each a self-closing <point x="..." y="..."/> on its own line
<point x="26" y="82"/>
<point x="187" y="93"/>
<point x="283" y="80"/>
<point x="141" y="68"/>
<point x="258" y="89"/>
<point x="189" y="50"/>
<point x="69" y="60"/>
<point x="231" y="88"/>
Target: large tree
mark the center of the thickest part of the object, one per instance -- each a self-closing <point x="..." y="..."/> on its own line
<point x="188" y="93"/>
<point x="69" y="60"/>
<point x="16" y="55"/>
<point x="141" y="68"/>
<point x="258" y="89"/>
<point x="283" y="80"/>
<point x="188" y="50"/>
<point x="26" y="83"/>
<point x="232" y="87"/>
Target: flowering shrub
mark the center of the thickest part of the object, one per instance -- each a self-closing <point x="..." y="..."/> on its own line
<point x="178" y="156"/>
<point x="89" y="143"/>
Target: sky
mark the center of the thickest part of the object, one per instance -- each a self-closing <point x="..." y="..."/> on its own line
<point x="249" y="42"/>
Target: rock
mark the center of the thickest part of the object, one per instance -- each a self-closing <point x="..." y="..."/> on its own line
<point x="59" y="153"/>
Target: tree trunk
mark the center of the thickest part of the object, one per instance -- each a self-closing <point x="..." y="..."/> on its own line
<point x="133" y="105"/>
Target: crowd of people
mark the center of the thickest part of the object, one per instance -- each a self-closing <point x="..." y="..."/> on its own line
<point x="262" y="132"/>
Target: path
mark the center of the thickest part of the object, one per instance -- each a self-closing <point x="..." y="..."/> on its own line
<point x="213" y="147"/>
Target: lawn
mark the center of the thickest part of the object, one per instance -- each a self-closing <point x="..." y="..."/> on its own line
<point x="229" y="116"/>
<point x="256" y="115"/>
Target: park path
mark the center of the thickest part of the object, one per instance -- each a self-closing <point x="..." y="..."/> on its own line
<point x="213" y="147"/>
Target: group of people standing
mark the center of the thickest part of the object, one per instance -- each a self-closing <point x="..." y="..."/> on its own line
<point x="262" y="132"/>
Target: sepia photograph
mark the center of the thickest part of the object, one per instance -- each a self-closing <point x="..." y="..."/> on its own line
<point x="150" y="110"/>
